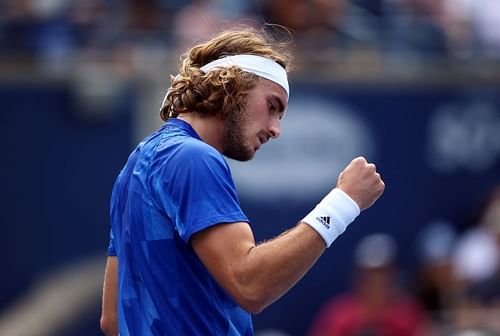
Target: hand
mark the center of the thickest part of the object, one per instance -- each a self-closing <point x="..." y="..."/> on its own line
<point x="361" y="182"/>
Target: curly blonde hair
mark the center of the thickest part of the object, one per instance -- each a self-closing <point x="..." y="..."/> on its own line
<point x="220" y="91"/>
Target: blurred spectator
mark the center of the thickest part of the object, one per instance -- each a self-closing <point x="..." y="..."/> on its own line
<point x="477" y="264"/>
<point x="377" y="305"/>
<point x="37" y="30"/>
<point x="56" y="35"/>
<point x="415" y="28"/>
<point x="97" y="22"/>
<point x="480" y="22"/>
<point x="205" y="17"/>
<point x="315" y="24"/>
<point x="435" y="285"/>
<point x="476" y="256"/>
<point x="18" y="26"/>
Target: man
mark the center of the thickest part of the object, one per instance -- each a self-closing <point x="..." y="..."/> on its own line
<point x="182" y="257"/>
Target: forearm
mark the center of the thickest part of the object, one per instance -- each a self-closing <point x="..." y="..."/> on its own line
<point x="270" y="269"/>
<point x="109" y="321"/>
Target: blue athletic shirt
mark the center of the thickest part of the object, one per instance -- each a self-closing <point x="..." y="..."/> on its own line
<point x="172" y="186"/>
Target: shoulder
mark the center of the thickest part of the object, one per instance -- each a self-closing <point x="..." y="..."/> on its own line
<point x="193" y="146"/>
<point x="183" y="157"/>
<point x="194" y="152"/>
<point x="177" y="140"/>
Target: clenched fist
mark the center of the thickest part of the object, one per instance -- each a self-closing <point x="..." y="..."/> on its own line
<point x="361" y="182"/>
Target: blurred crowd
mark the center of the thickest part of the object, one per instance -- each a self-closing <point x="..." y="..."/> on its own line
<point x="453" y="290"/>
<point x="54" y="34"/>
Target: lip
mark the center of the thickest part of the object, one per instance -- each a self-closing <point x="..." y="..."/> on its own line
<point x="259" y="143"/>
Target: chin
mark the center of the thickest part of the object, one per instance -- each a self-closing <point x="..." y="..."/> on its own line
<point x="241" y="155"/>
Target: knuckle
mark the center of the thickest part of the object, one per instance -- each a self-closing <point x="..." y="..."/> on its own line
<point x="360" y="159"/>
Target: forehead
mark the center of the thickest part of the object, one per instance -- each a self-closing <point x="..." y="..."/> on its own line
<point x="273" y="89"/>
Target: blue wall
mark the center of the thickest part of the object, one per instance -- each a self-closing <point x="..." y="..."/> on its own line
<point x="58" y="165"/>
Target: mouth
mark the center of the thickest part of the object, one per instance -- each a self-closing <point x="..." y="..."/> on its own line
<point x="263" y="140"/>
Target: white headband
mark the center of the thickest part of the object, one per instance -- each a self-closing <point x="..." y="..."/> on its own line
<point x="258" y="65"/>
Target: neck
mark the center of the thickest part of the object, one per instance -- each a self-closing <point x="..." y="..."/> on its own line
<point x="210" y="129"/>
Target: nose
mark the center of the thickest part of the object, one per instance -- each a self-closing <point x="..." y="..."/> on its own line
<point x="274" y="129"/>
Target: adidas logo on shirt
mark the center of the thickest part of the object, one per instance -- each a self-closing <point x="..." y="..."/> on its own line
<point x="325" y="220"/>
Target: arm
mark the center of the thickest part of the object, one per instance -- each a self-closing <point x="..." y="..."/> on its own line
<point x="257" y="275"/>
<point x="109" y="320"/>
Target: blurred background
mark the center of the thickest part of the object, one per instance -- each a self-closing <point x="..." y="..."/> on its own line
<point x="413" y="85"/>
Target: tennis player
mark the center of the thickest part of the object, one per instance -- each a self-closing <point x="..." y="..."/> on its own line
<point x="182" y="255"/>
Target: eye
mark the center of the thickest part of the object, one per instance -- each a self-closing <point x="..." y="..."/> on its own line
<point x="275" y="108"/>
<point x="271" y="107"/>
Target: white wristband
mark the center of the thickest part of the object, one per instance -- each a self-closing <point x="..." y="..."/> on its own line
<point x="332" y="215"/>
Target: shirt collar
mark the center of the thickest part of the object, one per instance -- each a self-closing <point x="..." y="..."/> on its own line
<point x="182" y="125"/>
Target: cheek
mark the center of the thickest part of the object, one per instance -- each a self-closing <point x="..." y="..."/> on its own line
<point x="257" y="119"/>
<point x="256" y="127"/>
<point x="258" y="108"/>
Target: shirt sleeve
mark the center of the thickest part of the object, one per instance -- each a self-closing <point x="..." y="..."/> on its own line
<point x="111" y="246"/>
<point x="197" y="191"/>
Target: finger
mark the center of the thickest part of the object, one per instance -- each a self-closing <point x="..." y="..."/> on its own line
<point x="359" y="160"/>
